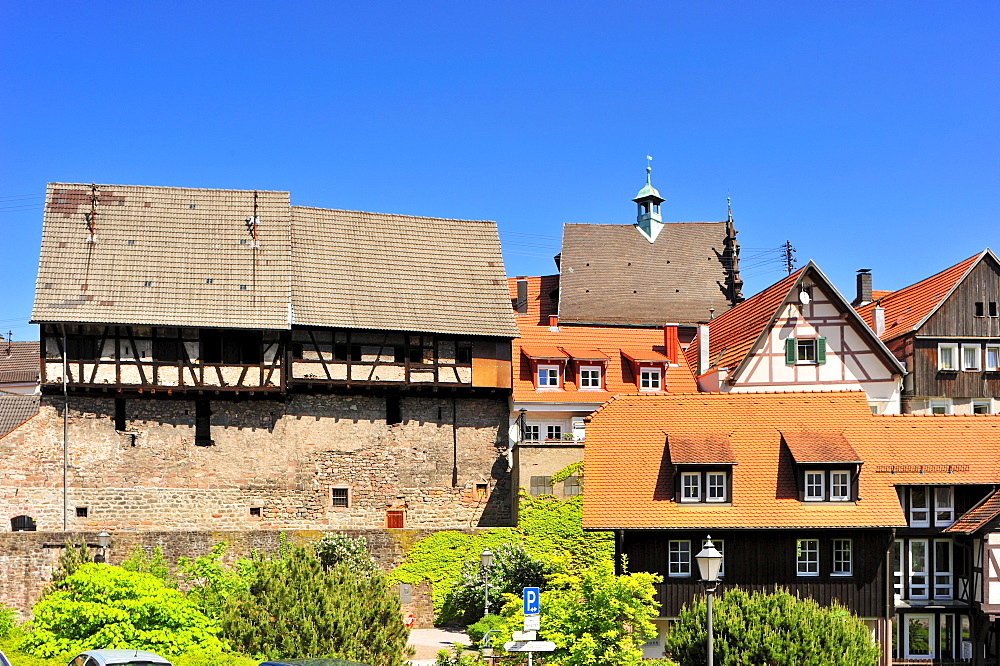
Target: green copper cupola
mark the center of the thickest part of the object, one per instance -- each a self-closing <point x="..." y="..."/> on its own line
<point x="649" y="221"/>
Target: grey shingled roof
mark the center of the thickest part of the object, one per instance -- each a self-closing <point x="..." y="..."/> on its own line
<point x="175" y="239"/>
<point x="610" y="274"/>
<point x="379" y="271"/>
<point x="314" y="266"/>
<point x="21" y="365"/>
<point x="15" y="410"/>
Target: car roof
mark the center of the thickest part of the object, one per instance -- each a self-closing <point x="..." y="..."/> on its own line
<point x="312" y="662"/>
<point x="125" y="656"/>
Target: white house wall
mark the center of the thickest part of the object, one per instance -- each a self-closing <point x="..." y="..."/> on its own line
<point x="851" y="363"/>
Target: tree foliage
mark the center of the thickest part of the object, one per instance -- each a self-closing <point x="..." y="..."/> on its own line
<point x="512" y="570"/>
<point x="776" y="629"/>
<point x="338" y="549"/>
<point x="152" y="563"/>
<point x="295" y="607"/>
<point x="74" y="555"/>
<point x="101" y="606"/>
<point x="210" y="582"/>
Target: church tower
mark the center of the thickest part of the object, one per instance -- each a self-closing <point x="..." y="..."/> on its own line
<point x="649" y="221"/>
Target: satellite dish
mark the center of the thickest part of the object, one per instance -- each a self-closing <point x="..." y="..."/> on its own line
<point x="804" y="297"/>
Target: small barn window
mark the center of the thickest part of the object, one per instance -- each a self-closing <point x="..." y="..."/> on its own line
<point x="394" y="519"/>
<point x="255" y="512"/>
<point x="82" y="512"/>
<point x="22" y="524"/>
<point x="120" y="414"/>
<point x="340" y="497"/>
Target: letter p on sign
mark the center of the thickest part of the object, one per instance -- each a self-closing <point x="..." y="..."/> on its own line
<point x="531" y="601"/>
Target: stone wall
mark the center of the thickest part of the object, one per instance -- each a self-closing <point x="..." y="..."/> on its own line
<point x="273" y="464"/>
<point x="27" y="559"/>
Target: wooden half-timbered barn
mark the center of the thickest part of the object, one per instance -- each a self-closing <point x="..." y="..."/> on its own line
<point x="357" y="365"/>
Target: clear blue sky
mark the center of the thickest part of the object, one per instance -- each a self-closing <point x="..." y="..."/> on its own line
<point x="864" y="132"/>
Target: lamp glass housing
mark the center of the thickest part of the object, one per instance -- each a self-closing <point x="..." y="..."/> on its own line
<point x="709" y="561"/>
<point x="104" y="539"/>
<point x="486" y="558"/>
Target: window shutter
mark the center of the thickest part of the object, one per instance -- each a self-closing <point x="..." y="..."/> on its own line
<point x="821" y="350"/>
<point x="789" y="350"/>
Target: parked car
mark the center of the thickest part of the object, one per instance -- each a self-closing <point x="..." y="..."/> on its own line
<point x="3" y="660"/>
<point x="312" y="662"/>
<point x="116" y="657"/>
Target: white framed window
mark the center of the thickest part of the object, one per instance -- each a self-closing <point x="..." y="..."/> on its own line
<point x="679" y="559"/>
<point x="972" y="358"/>
<point x="918" y="568"/>
<point x="947" y="356"/>
<point x="815" y="486"/>
<point x="650" y="379"/>
<point x="942" y="406"/>
<point x="715" y="487"/>
<point x="943" y="573"/>
<point x="805" y="351"/>
<point x="531" y="432"/>
<point x="919" y="513"/>
<point x="720" y="545"/>
<point x="984" y="406"/>
<point x="944" y="506"/>
<point x="807" y="557"/>
<point x="590" y="377"/>
<point x="690" y="486"/>
<point x="993" y="357"/>
<point x="553" y="432"/>
<point x="919" y="636"/>
<point x="843" y="558"/>
<point x="840" y="485"/>
<point x="548" y="376"/>
<point x="897" y="569"/>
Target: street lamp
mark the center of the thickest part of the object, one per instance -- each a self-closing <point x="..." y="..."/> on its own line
<point x="485" y="560"/>
<point x="104" y="540"/>
<point x="709" y="563"/>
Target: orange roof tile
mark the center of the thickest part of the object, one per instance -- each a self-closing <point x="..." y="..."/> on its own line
<point x="978" y="516"/>
<point x="733" y="333"/>
<point x="700" y="449"/>
<point x="541" y="304"/>
<point x="587" y="344"/>
<point x="907" y="308"/>
<point x="820" y="447"/>
<point x="629" y="477"/>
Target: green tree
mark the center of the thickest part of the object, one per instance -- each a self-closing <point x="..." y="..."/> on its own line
<point x="139" y="560"/>
<point x="210" y="582"/>
<point x="101" y="606"/>
<point x="338" y="549"/>
<point x="74" y="555"/>
<point x="593" y="616"/>
<point x="512" y="570"/>
<point x="772" y="628"/>
<point x="294" y="607"/>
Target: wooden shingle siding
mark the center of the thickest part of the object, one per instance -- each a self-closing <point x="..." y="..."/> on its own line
<point x="955" y="316"/>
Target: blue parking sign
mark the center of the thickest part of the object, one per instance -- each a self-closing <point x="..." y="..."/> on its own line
<point x="531" y="601"/>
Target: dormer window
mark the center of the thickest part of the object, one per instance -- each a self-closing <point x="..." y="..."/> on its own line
<point x="705" y="486"/>
<point x="704" y="467"/>
<point x="548" y="376"/>
<point x="827" y="466"/>
<point x="929" y="506"/>
<point x="650" y="379"/>
<point x="590" y="377"/>
<point x="548" y="363"/>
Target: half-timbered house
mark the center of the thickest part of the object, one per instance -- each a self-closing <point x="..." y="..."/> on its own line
<point x="270" y="364"/>
<point x="946" y="330"/>
<point x="892" y="516"/>
<point x="799" y="334"/>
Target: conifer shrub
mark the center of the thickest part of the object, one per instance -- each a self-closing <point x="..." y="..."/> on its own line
<point x="773" y="628"/>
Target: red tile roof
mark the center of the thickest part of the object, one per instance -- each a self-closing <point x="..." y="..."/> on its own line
<point x="21" y="364"/>
<point x="907" y="308"/>
<point x="585" y="343"/>
<point x="733" y="333"/>
<point x="700" y="449"/>
<point x="819" y="447"/>
<point x="629" y="474"/>
<point x="978" y="516"/>
<point x="541" y="303"/>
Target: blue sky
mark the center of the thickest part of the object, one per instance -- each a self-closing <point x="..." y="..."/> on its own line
<point x="866" y="133"/>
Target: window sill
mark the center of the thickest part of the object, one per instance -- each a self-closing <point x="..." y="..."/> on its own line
<point x="841" y="575"/>
<point x="703" y="505"/>
<point x="807" y="575"/>
<point x="829" y="502"/>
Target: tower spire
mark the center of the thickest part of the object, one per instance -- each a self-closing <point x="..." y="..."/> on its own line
<point x="648" y="220"/>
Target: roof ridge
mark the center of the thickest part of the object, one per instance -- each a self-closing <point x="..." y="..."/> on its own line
<point x="410" y="217"/>
<point x="172" y="187"/>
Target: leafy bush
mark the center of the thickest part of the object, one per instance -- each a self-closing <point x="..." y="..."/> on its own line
<point x="7" y="621"/>
<point x="209" y="582"/>
<point x="155" y="564"/>
<point x="458" y="656"/>
<point x="294" y="607"/>
<point x="339" y="549"/>
<point x="512" y="570"/>
<point x="74" y="555"/>
<point x="101" y="606"/>
<point x="488" y="623"/>
<point x="593" y="616"/>
<point x="773" y="628"/>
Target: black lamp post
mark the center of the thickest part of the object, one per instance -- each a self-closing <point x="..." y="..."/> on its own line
<point x="709" y="563"/>
<point x="485" y="560"/>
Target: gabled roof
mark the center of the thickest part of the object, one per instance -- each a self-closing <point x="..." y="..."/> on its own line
<point x="195" y="257"/>
<point x="612" y="347"/>
<point x="908" y="308"/>
<point x="700" y="448"/>
<point x="978" y="516"/>
<point x="736" y="333"/>
<point x="819" y="447"/>
<point x="15" y="410"/>
<point x="610" y="274"/>
<point x="21" y="365"/>
<point x="630" y="469"/>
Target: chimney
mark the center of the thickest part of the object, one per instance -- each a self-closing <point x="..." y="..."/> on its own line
<point x="864" y="287"/>
<point x="521" y="304"/>
<point x="554" y="323"/>
<point x="702" y="349"/>
<point x="671" y="343"/>
<point x="878" y="316"/>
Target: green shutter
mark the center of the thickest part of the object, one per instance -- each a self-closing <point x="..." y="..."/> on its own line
<point x="821" y="350"/>
<point x="790" y="351"/>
